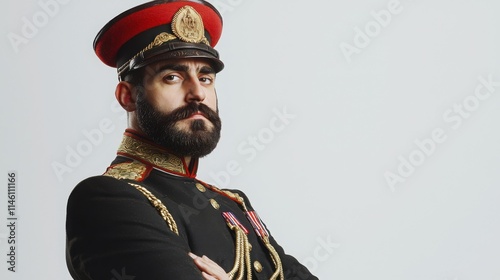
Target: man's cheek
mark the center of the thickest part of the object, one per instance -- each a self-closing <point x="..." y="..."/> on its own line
<point x="211" y="103"/>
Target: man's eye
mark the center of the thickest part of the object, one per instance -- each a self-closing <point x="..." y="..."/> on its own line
<point x="171" y="78"/>
<point x="206" y="80"/>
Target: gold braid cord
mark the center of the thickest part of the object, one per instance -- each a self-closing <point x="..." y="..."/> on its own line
<point x="162" y="209"/>
<point x="158" y="41"/>
<point x="242" y="258"/>
<point x="276" y="260"/>
<point x="242" y="261"/>
<point x="243" y="247"/>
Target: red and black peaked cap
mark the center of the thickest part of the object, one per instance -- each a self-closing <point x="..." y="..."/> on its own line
<point x="160" y="30"/>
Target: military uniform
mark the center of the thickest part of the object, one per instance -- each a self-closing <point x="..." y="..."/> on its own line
<point x="142" y="217"/>
<point x="148" y="211"/>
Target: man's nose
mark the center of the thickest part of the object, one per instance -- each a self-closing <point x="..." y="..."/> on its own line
<point x="195" y="91"/>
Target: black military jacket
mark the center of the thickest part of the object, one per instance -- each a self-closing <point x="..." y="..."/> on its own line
<point x="142" y="217"/>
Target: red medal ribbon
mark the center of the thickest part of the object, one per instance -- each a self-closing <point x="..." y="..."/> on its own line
<point x="257" y="224"/>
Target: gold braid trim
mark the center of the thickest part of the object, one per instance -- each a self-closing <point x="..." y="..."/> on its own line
<point x="159" y="40"/>
<point x="276" y="259"/>
<point x="242" y="258"/>
<point x="247" y="257"/>
<point x="162" y="209"/>
<point x="127" y="170"/>
<point x="234" y="196"/>
<point x="237" y="258"/>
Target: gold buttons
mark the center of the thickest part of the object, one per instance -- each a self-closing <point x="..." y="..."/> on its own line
<point x="215" y="204"/>
<point x="200" y="187"/>
<point x="258" y="266"/>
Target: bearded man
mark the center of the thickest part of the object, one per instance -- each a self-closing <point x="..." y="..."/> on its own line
<point x="148" y="216"/>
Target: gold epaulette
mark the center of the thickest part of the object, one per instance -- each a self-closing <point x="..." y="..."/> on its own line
<point x="137" y="171"/>
<point x="134" y="170"/>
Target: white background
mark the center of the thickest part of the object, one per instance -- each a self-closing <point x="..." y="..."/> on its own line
<point x="320" y="178"/>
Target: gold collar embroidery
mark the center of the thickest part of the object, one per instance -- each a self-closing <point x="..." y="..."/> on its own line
<point x="136" y="147"/>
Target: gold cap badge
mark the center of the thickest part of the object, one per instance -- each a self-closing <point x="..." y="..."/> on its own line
<point x="187" y="25"/>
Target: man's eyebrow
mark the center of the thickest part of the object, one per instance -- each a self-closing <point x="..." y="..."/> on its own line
<point x="206" y="70"/>
<point x="183" y="68"/>
<point x="174" y="67"/>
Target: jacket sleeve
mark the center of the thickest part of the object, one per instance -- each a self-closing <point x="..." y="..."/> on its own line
<point x="113" y="232"/>
<point x="292" y="268"/>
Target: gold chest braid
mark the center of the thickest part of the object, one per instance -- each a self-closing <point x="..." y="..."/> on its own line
<point x="242" y="268"/>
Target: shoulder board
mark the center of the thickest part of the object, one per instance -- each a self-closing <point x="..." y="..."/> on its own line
<point x="135" y="170"/>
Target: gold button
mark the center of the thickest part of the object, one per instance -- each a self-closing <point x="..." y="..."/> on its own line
<point x="200" y="187"/>
<point x="215" y="204"/>
<point x="257" y="266"/>
<point x="249" y="246"/>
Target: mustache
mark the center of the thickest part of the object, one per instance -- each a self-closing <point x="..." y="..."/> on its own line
<point x="193" y="108"/>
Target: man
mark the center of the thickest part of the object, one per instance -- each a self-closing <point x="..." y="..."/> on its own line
<point x="148" y="216"/>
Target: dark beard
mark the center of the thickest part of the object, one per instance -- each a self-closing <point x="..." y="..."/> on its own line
<point x="198" y="142"/>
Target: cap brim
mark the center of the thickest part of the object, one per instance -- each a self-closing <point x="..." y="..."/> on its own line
<point x="177" y="50"/>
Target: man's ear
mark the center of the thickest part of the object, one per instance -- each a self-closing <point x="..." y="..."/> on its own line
<point x="125" y="95"/>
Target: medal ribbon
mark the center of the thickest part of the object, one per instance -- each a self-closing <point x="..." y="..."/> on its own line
<point x="230" y="218"/>
<point x="257" y="224"/>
